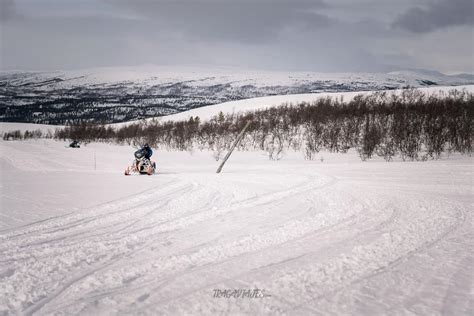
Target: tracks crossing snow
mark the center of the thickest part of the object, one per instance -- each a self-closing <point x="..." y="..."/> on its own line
<point x="317" y="241"/>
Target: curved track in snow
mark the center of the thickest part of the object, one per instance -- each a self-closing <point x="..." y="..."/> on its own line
<point x="332" y="238"/>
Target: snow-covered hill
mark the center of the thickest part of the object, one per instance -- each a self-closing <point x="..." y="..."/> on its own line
<point x="241" y="106"/>
<point x="253" y="104"/>
<point x="121" y="94"/>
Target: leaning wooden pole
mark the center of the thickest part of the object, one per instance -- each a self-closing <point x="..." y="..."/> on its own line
<point x="236" y="142"/>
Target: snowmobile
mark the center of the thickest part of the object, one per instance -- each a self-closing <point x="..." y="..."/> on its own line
<point x="141" y="165"/>
<point x="74" y="144"/>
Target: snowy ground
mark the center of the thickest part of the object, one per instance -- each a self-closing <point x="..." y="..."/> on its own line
<point x="337" y="236"/>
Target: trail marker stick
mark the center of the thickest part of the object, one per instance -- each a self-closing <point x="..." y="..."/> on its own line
<point x="236" y="142"/>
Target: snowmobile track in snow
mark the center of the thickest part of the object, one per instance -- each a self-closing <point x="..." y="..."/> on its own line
<point x="330" y="239"/>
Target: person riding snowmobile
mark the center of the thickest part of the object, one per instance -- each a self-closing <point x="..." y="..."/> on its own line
<point x="142" y="163"/>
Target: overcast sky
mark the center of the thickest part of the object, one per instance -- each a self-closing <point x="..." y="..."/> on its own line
<point x="307" y="35"/>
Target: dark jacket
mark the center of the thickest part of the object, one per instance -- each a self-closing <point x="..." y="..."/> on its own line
<point x="144" y="152"/>
<point x="148" y="152"/>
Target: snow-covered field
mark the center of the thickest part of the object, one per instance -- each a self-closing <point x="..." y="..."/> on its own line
<point x="325" y="237"/>
<point x="44" y="128"/>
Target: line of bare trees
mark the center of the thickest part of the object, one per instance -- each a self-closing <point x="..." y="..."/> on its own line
<point x="411" y="124"/>
<point x="19" y="135"/>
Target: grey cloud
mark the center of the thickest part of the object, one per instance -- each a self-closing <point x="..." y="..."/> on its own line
<point x="336" y="35"/>
<point x="7" y="10"/>
<point x="244" y="21"/>
<point x="436" y="15"/>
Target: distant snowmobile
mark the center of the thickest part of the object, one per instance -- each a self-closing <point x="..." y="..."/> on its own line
<point x="74" y="144"/>
<point x="142" y="163"/>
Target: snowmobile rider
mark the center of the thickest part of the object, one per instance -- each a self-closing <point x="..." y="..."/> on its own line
<point x="144" y="152"/>
<point x="148" y="151"/>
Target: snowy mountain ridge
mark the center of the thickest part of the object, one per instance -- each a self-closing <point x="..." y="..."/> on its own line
<point x="121" y="94"/>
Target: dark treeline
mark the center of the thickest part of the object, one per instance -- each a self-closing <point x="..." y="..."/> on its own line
<point x="19" y="135"/>
<point x="412" y="125"/>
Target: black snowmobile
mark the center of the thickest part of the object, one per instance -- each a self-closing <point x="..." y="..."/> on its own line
<point x="74" y="144"/>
